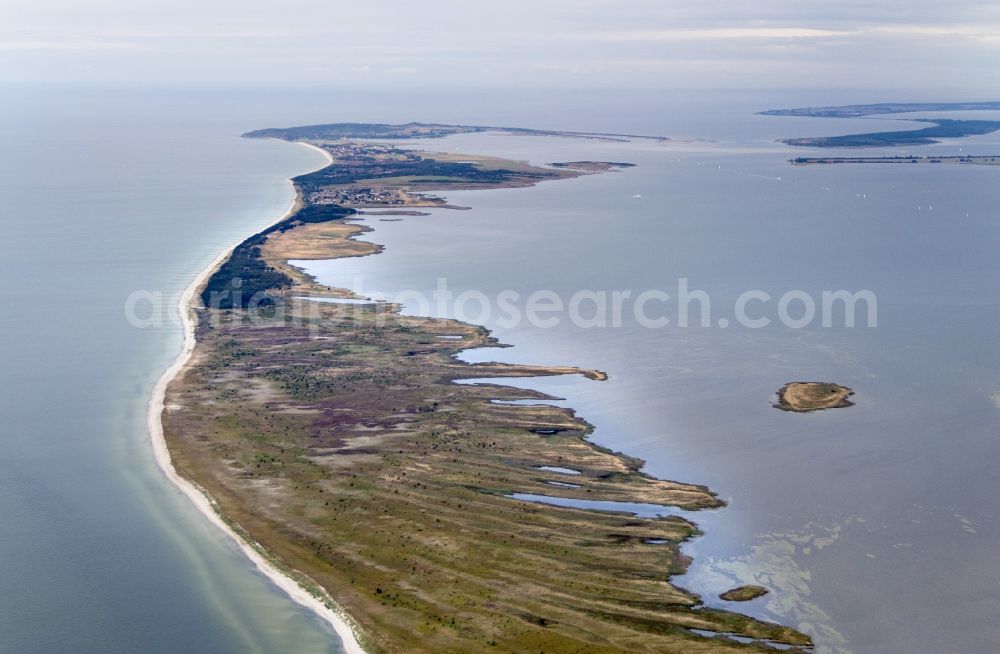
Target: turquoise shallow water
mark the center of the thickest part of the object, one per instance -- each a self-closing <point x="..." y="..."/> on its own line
<point x="104" y="192"/>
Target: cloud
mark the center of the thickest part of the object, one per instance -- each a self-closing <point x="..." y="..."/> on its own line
<point x="974" y="32"/>
<point x="720" y="33"/>
<point x="983" y="34"/>
<point x="714" y="43"/>
<point x="67" y="44"/>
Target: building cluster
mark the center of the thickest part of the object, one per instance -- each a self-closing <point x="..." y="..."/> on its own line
<point x="357" y="196"/>
<point x="357" y="150"/>
<point x="362" y="160"/>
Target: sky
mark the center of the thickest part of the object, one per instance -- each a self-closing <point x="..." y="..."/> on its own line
<point x="530" y="44"/>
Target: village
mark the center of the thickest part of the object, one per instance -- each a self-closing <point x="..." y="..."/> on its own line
<point x="364" y="159"/>
<point x="357" y="196"/>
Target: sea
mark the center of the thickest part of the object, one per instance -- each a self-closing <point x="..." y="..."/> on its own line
<point x="872" y="525"/>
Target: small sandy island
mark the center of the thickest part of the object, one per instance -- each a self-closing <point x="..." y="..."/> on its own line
<point x="813" y="396"/>
<point x="743" y="593"/>
<point x="593" y="166"/>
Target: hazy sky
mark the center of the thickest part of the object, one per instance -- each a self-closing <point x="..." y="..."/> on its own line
<point x="510" y="43"/>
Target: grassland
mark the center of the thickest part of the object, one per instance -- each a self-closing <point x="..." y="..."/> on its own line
<point x="334" y="435"/>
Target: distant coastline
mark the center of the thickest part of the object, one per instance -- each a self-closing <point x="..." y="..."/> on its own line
<point x="863" y="110"/>
<point x="971" y="160"/>
<point x="940" y="128"/>
<point x="329" y="131"/>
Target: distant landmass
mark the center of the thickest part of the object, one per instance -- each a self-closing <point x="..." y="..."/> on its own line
<point x="861" y="110"/>
<point x="978" y="160"/>
<point x="939" y="127"/>
<point x="417" y="131"/>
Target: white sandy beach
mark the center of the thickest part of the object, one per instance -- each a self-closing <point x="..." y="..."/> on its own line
<point x="204" y="503"/>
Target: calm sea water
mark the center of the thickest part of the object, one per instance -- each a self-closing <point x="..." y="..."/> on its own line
<point x="101" y="196"/>
<point x="874" y="526"/>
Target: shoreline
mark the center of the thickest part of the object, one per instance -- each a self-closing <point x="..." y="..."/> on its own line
<point x="327" y="562"/>
<point x="201" y="500"/>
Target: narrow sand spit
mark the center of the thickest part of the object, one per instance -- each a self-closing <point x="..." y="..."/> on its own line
<point x="205" y="504"/>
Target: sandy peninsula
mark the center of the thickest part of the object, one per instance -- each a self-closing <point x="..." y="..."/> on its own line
<point x="331" y="441"/>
